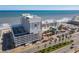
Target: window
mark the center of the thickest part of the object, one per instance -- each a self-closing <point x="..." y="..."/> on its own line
<point x="35" y="25"/>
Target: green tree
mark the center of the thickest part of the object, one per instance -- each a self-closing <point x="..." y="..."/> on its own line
<point x="60" y="27"/>
<point x="53" y="30"/>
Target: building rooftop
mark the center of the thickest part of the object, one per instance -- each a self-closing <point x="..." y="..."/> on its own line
<point x="27" y="15"/>
<point x="31" y="18"/>
<point x="18" y="30"/>
<point x="5" y="26"/>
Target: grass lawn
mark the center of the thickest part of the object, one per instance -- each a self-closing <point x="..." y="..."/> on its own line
<point x="55" y="47"/>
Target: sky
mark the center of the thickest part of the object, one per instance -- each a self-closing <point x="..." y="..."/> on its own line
<point x="39" y="7"/>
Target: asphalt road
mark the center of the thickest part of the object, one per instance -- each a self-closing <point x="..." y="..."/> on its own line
<point x="67" y="49"/>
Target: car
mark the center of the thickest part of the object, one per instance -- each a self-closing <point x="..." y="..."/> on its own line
<point x="72" y="46"/>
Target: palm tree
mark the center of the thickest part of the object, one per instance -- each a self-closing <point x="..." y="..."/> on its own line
<point x="59" y="37"/>
<point x="62" y="37"/>
<point x="38" y="47"/>
<point x="55" y="41"/>
<point x="45" y="45"/>
<point x="65" y="37"/>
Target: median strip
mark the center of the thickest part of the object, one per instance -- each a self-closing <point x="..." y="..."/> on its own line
<point x="55" y="47"/>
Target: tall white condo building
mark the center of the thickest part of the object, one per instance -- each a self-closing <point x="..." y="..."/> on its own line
<point x="31" y="23"/>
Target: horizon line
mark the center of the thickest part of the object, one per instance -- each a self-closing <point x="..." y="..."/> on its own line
<point x="39" y="7"/>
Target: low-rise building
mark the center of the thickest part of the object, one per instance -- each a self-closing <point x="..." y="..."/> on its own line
<point x="74" y="21"/>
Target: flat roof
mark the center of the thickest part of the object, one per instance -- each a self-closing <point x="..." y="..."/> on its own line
<point x="31" y="18"/>
<point x="19" y="30"/>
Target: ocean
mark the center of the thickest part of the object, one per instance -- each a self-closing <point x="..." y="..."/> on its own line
<point x="13" y="16"/>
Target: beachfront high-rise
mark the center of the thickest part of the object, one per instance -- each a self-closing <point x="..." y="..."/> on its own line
<point x="31" y="23"/>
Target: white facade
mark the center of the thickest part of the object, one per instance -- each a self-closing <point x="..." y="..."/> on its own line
<point x="31" y="23"/>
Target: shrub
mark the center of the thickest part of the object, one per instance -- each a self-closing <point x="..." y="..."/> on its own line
<point x="55" y="47"/>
